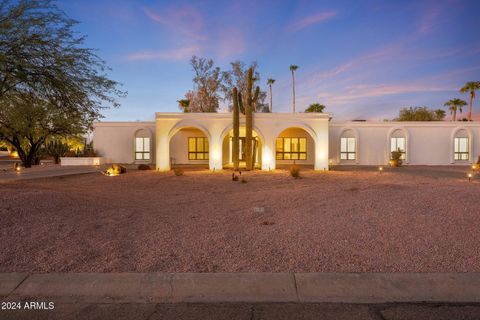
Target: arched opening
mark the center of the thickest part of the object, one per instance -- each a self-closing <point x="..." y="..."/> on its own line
<point x="227" y="149"/>
<point x="143" y="146"/>
<point x="461" y="146"/>
<point x="189" y="146"/>
<point x="348" y="147"/>
<point x="398" y="142"/>
<point x="294" y="145"/>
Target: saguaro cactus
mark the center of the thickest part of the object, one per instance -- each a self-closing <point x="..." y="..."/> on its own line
<point x="236" y="128"/>
<point x="250" y="105"/>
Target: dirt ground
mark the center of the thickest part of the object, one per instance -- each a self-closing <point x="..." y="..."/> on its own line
<point x="409" y="219"/>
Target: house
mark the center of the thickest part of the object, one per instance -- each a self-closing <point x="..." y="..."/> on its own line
<point x="282" y="138"/>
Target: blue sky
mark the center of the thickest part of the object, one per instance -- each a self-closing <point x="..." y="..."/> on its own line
<point x="362" y="59"/>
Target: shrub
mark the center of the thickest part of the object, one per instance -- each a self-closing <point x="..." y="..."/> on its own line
<point x="396" y="158"/>
<point x="243" y="180"/>
<point x="56" y="149"/>
<point x="267" y="223"/>
<point x="295" y="171"/>
<point x="178" y="171"/>
<point x="144" y="167"/>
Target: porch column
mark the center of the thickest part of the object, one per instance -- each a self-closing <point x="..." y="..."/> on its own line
<point x="215" y="152"/>
<point x="268" y="153"/>
<point x="321" y="146"/>
<point x="162" y="129"/>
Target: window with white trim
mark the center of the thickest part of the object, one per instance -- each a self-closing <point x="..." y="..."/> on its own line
<point x="399" y="144"/>
<point x="461" y="149"/>
<point x="348" y="148"/>
<point x="142" y="148"/>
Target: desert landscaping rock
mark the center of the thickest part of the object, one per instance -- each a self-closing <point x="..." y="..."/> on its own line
<point x="411" y="219"/>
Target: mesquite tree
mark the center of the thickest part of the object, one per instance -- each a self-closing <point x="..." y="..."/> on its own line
<point x="47" y="73"/>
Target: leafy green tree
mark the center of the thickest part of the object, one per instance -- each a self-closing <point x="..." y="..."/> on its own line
<point x="471" y="87"/>
<point x="420" y="114"/>
<point x="315" y="107"/>
<point x="455" y="105"/>
<point x="238" y="77"/>
<point x="49" y="83"/>
<point x="293" y="68"/>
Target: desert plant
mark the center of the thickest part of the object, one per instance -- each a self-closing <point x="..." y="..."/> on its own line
<point x="293" y="68"/>
<point x="143" y="166"/>
<point x="270" y="82"/>
<point x="56" y="149"/>
<point x="236" y="127"/>
<point x="243" y="180"/>
<point x="455" y="105"/>
<point x="396" y="158"/>
<point x="470" y="87"/>
<point x="315" y="107"/>
<point x="178" y="171"/>
<point x="115" y="170"/>
<point x="250" y="105"/>
<point x="295" y="171"/>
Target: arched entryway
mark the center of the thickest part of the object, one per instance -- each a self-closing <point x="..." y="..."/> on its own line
<point x="227" y="149"/>
<point x="294" y="145"/>
<point x="189" y="146"/>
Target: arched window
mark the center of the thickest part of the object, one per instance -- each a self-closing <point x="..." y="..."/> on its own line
<point x="398" y="142"/>
<point x="142" y="145"/>
<point x="348" y="146"/>
<point x="461" y="146"/>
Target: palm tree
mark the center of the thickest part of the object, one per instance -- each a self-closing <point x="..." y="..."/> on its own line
<point x="455" y="105"/>
<point x="292" y="69"/>
<point x="270" y="82"/>
<point x="470" y="86"/>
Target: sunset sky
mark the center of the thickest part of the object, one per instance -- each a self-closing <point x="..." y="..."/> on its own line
<point x="362" y="59"/>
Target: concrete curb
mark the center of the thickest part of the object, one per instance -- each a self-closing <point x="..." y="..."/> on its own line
<point x="243" y="287"/>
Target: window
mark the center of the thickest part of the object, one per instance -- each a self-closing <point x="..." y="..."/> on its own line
<point x="198" y="148"/>
<point x="142" y="148"/>
<point x="461" y="149"/>
<point x="348" y="148"/>
<point x="399" y="143"/>
<point x="291" y="148"/>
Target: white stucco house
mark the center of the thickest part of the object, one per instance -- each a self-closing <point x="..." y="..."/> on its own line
<point x="282" y="138"/>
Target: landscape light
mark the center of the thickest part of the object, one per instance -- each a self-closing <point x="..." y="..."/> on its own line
<point x="380" y="169"/>
<point x="469" y="177"/>
<point x="474" y="167"/>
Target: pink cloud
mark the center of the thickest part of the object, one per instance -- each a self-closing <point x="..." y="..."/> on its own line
<point x="173" y="54"/>
<point x="312" y="20"/>
<point x="185" y="21"/>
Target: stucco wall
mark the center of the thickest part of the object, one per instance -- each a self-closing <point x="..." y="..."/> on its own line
<point x="428" y="143"/>
<point x="115" y="140"/>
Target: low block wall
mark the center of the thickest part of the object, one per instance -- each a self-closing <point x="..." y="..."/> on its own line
<point x="88" y="161"/>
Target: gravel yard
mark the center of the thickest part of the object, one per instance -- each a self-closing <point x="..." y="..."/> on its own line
<point x="411" y="219"/>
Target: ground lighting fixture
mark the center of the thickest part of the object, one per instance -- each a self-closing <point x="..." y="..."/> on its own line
<point x="469" y="177"/>
<point x="380" y="169"/>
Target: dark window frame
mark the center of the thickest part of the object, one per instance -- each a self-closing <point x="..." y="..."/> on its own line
<point x="143" y="153"/>
<point x="280" y="154"/>
<point x="403" y="152"/>
<point x="193" y="155"/>
<point x="457" y="155"/>
<point x="348" y="152"/>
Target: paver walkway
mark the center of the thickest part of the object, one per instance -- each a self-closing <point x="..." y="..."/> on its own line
<point x="243" y="296"/>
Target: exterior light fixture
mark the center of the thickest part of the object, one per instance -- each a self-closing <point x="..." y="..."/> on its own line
<point x="474" y="167"/>
<point x="380" y="169"/>
<point x="469" y="177"/>
<point x="17" y="167"/>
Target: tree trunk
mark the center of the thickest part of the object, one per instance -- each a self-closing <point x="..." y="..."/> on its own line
<point x="293" y="89"/>
<point x="471" y="107"/>
<point x="271" y="106"/>
<point x="236" y="129"/>
<point x="454" y="115"/>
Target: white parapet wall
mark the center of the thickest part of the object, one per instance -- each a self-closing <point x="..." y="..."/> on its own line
<point x="83" y="161"/>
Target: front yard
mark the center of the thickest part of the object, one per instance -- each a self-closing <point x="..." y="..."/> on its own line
<point x="412" y="219"/>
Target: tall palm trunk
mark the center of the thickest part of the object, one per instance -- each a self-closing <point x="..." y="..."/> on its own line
<point x="454" y="115"/>
<point x="471" y="106"/>
<point x="271" y="106"/>
<point x="236" y="129"/>
<point x="249" y="121"/>
<point x="293" y="89"/>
